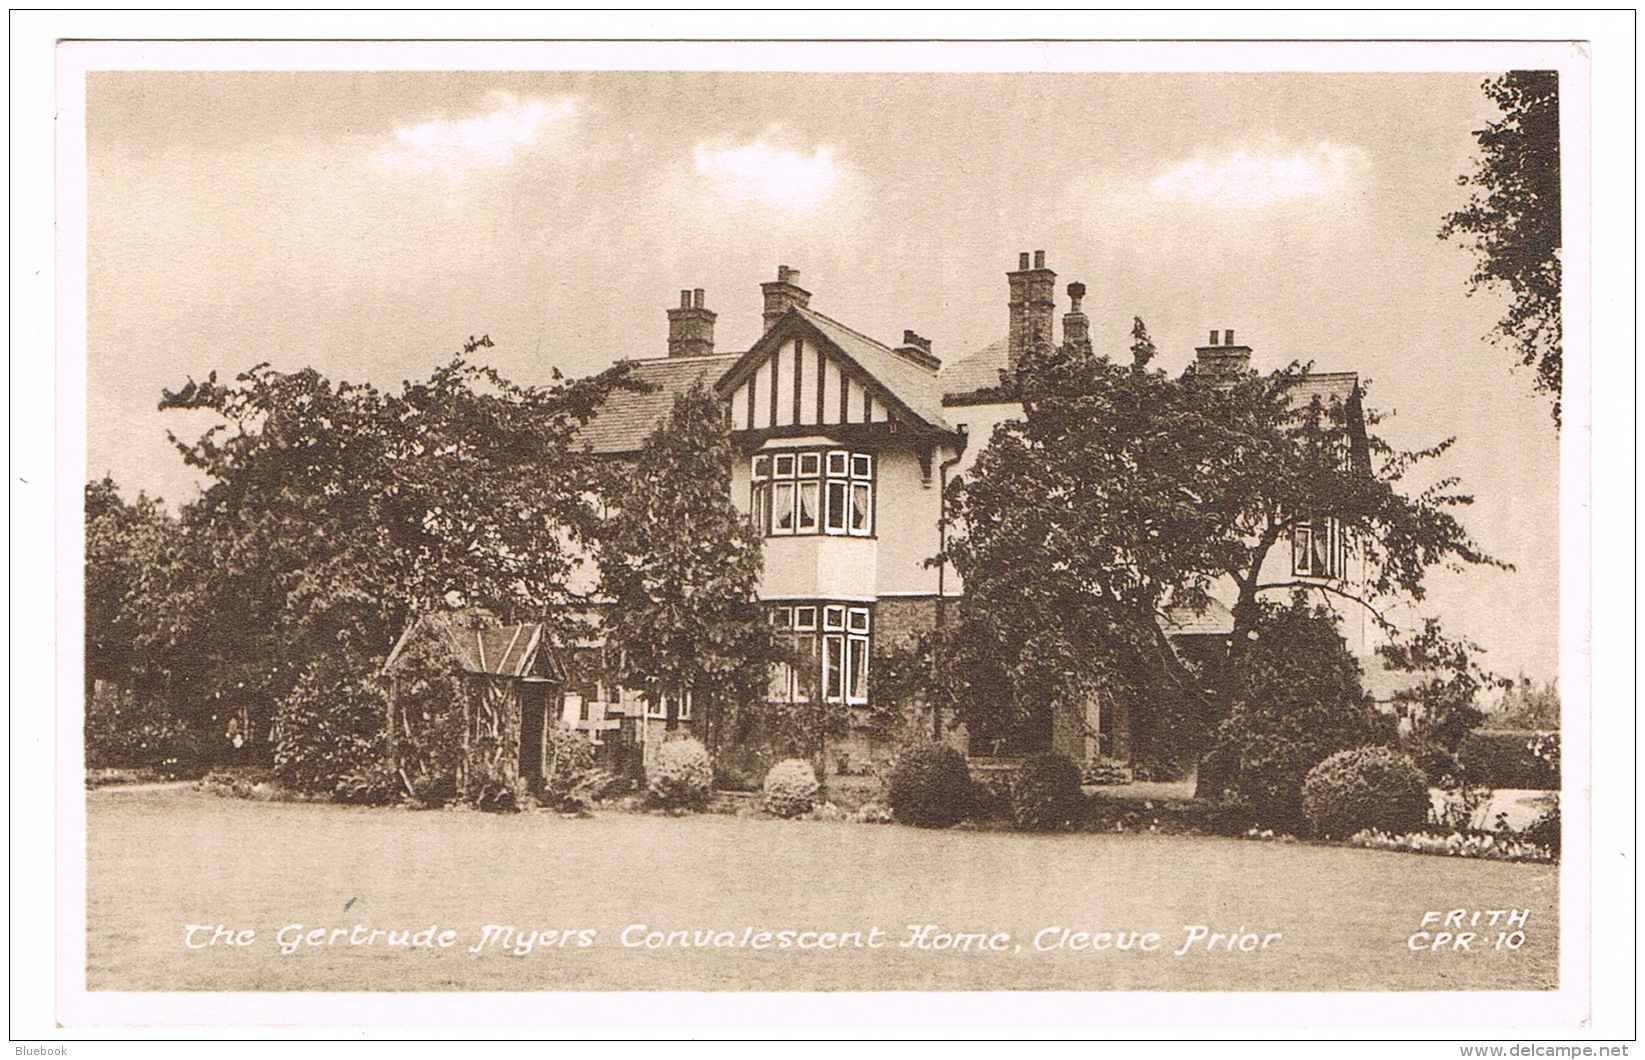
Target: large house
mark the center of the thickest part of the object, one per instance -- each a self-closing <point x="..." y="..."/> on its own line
<point x="845" y="444"/>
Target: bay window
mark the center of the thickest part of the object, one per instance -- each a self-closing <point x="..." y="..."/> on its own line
<point x="833" y="641"/>
<point x="812" y="492"/>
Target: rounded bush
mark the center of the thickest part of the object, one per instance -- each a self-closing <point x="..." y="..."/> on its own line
<point x="930" y="786"/>
<point x="790" y="788"/>
<point x="1046" y="794"/>
<point x="682" y="775"/>
<point x="1370" y="787"/>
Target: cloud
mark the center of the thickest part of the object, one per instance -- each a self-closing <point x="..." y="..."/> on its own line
<point x="489" y="139"/>
<point x="1261" y="177"/>
<point x="773" y="175"/>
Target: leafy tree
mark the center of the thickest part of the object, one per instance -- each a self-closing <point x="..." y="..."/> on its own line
<point x="1448" y="682"/>
<point x="1123" y="493"/>
<point x="1512" y="219"/>
<point x="680" y="566"/>
<point x="335" y="512"/>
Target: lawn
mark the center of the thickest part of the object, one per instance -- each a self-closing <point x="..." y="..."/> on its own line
<point x="162" y="859"/>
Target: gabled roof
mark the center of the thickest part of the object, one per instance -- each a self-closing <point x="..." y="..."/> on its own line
<point x="911" y="389"/>
<point x="914" y="385"/>
<point x="498" y="651"/>
<point x="628" y="417"/>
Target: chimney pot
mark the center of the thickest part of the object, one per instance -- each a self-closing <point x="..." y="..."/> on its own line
<point x="1213" y="337"/>
<point x="685" y="299"/>
<point x="1039" y="259"/>
<point x="1022" y="261"/>
<point x="1076" y="291"/>
<point x="697" y="298"/>
<point x="1228" y="337"/>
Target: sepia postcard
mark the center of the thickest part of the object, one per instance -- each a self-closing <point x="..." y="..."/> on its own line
<point x="952" y="531"/>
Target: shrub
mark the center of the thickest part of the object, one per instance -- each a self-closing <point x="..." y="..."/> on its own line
<point x="1368" y="788"/>
<point x="1439" y="767"/>
<point x="682" y="775"/>
<point x="331" y="738"/>
<point x="1502" y="759"/>
<point x="790" y="788"/>
<point x="1046" y="794"/>
<point x="1545" y="830"/>
<point x="1297" y="701"/>
<point x="930" y="786"/>
<point x="571" y="782"/>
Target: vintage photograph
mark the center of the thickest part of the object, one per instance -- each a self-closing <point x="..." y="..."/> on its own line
<point x="716" y="530"/>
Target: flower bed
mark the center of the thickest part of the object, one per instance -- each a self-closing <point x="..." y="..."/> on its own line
<point x="1455" y="845"/>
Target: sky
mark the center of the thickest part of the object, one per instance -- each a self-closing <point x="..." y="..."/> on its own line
<point x="368" y="223"/>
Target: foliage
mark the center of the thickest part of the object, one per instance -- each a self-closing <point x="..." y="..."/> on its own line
<point x="1462" y="807"/>
<point x="790" y="788"/>
<point x="1546" y="830"/>
<point x="1457" y="845"/>
<point x="333" y="513"/>
<point x="1505" y="760"/>
<point x="1527" y="705"/>
<point x="680" y="565"/>
<point x="930" y="786"/>
<point x="1368" y="787"/>
<point x="330" y="733"/>
<point x="1449" y="685"/>
<point x="1296" y="701"/>
<point x="1045" y="795"/>
<point x="682" y="775"/>
<point x="1123" y="493"/>
<point x="126" y="730"/>
<point x="1439" y="767"/>
<point x="1512" y="220"/>
<point x="571" y="780"/>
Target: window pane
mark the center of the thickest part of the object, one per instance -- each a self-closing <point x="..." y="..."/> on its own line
<point x="805" y="618"/>
<point x="1322" y="564"/>
<point x="785" y="465"/>
<point x="782" y="508"/>
<point x="782" y="683"/>
<point x="836" y="506"/>
<point x="1301" y="550"/>
<point x="810" y="464"/>
<point x="857" y="673"/>
<point x="758" y="499"/>
<point x="833" y="648"/>
<point x="762" y="466"/>
<point x="836" y="463"/>
<point x="833" y="618"/>
<point x="808" y="506"/>
<point x="781" y="617"/>
<point x="858" y="618"/>
<point x="859" y="507"/>
<point x="862" y="465"/>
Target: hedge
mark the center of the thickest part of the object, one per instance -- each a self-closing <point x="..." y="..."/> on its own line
<point x="1499" y="759"/>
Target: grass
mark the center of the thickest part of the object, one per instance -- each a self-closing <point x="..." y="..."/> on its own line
<point x="160" y="859"/>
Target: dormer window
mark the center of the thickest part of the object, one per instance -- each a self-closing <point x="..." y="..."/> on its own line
<point x="1317" y="549"/>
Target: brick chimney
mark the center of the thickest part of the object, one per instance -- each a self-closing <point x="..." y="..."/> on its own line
<point x="690" y="327"/>
<point x="1076" y="326"/>
<point x="782" y="293"/>
<point x="1222" y="361"/>
<point x="917" y="348"/>
<point x="1033" y="301"/>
